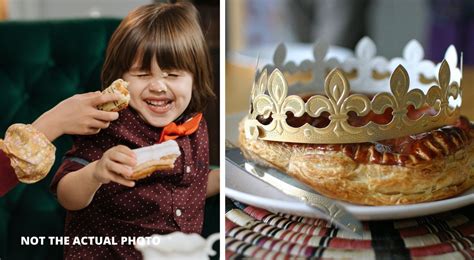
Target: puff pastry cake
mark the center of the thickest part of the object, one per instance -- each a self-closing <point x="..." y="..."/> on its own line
<point x="418" y="168"/>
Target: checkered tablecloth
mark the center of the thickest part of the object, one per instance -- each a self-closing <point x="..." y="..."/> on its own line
<point x="253" y="232"/>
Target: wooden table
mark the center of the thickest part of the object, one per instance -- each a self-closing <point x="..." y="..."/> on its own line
<point x="239" y="81"/>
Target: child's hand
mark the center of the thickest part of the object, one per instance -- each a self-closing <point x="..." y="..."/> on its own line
<point x="213" y="183"/>
<point x="77" y="115"/>
<point x="115" y="164"/>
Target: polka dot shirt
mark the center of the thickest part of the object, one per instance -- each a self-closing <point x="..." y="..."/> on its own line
<point x="162" y="203"/>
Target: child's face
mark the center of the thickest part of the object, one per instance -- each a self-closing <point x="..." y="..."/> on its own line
<point x="159" y="96"/>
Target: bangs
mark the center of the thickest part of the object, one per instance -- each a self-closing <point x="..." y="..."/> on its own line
<point x="169" y="45"/>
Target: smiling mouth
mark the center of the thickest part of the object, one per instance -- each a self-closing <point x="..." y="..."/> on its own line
<point x="161" y="103"/>
<point x="159" y="106"/>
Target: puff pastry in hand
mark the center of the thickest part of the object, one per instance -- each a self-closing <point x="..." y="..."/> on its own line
<point x="158" y="157"/>
<point x="119" y="87"/>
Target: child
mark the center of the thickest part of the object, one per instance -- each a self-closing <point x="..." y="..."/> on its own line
<point x="27" y="153"/>
<point x="160" y="50"/>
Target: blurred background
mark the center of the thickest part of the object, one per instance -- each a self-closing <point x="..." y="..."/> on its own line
<point x="50" y="50"/>
<point x="255" y="27"/>
<point x="57" y="9"/>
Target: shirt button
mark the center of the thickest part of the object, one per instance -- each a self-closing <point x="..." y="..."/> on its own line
<point x="188" y="169"/>
<point x="178" y="212"/>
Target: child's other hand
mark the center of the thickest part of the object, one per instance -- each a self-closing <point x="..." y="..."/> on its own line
<point x="213" y="183"/>
<point x="115" y="164"/>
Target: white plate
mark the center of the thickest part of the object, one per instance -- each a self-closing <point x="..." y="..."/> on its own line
<point x="247" y="189"/>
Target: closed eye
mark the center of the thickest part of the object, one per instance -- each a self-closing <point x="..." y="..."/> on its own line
<point x="173" y="74"/>
<point x="142" y="75"/>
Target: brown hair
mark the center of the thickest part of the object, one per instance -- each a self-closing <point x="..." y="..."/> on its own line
<point x="172" y="34"/>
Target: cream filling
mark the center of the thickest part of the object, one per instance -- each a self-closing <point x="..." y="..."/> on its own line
<point x="157" y="151"/>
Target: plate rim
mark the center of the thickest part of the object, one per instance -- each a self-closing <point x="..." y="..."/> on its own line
<point x="360" y="211"/>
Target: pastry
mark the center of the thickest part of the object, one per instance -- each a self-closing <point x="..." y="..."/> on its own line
<point x="119" y="87"/>
<point x="158" y="157"/>
<point x="416" y="168"/>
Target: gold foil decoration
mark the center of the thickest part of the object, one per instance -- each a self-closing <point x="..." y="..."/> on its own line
<point x="269" y="101"/>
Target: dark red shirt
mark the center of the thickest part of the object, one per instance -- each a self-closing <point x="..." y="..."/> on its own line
<point x="162" y="203"/>
<point x="8" y="178"/>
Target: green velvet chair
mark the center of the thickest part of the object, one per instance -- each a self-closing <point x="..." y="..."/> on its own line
<point x="42" y="63"/>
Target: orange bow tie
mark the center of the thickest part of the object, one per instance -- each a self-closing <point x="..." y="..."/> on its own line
<point x="173" y="131"/>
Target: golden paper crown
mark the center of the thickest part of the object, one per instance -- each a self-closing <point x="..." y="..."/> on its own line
<point x="362" y="84"/>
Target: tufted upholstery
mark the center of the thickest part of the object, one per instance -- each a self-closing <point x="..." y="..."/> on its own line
<point x="42" y="63"/>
